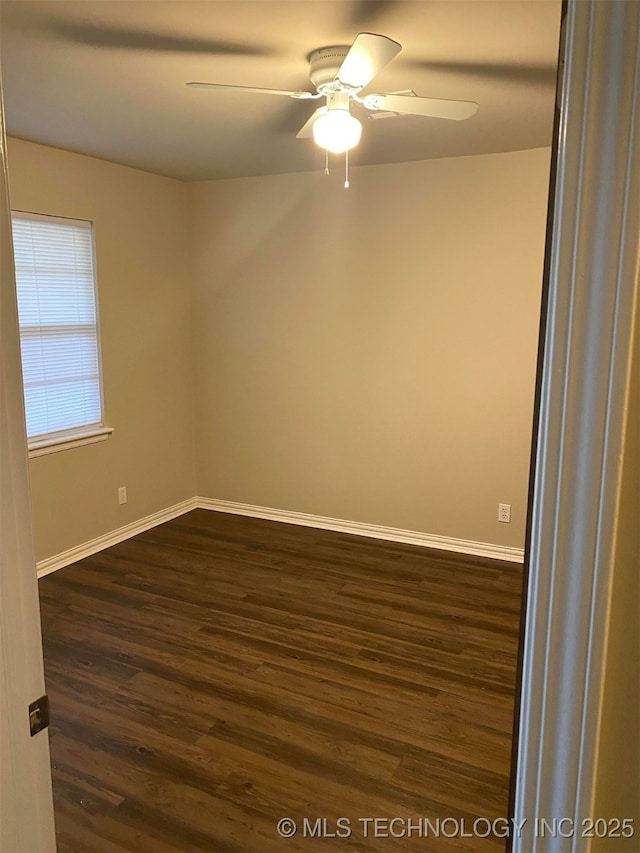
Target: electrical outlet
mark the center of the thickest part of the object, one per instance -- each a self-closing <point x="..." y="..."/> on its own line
<point x="122" y="495"/>
<point x="504" y="512"/>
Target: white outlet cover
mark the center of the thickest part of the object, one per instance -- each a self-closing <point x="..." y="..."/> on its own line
<point x="504" y="513"/>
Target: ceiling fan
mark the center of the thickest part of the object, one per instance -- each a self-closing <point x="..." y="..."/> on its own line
<point x="339" y="74"/>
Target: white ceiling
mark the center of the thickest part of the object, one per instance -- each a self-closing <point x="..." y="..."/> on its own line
<point x="106" y="78"/>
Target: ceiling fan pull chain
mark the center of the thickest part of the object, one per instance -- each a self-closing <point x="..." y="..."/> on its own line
<point x="346" y="170"/>
<point x="326" y="161"/>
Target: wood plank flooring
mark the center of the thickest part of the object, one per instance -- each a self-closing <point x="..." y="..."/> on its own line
<point x="218" y="673"/>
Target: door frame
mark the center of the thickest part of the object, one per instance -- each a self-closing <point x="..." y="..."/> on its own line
<point x="591" y="293"/>
<point x="26" y="804"/>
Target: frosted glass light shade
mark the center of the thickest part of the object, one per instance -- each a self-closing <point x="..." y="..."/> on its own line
<point x="337" y="131"/>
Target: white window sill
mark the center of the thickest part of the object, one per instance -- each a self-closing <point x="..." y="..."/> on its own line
<point x="78" y="439"/>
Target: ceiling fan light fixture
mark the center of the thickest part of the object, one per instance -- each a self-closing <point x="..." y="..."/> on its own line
<point x="337" y="131"/>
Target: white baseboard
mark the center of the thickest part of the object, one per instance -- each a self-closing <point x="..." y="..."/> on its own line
<point x="374" y="531"/>
<point x="58" y="561"/>
<point x="357" y="528"/>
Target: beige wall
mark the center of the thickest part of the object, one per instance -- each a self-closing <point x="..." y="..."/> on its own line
<point x="370" y="354"/>
<point x="365" y="354"/>
<point x="618" y="767"/>
<point x="145" y="313"/>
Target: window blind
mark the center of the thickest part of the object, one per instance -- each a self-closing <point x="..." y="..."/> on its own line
<point x="58" y="326"/>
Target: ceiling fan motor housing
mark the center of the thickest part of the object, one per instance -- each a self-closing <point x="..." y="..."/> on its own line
<point x="325" y="63"/>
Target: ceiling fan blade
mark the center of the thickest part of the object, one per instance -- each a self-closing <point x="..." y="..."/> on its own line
<point x="252" y="89"/>
<point x="307" y="128"/>
<point x="363" y="13"/>
<point x="533" y="74"/>
<point x="118" y="38"/>
<point x="367" y="56"/>
<point x="416" y="106"/>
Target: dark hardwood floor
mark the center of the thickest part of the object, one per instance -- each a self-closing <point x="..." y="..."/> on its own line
<point x="218" y="673"/>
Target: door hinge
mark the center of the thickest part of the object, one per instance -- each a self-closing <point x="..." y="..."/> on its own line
<point x="39" y="715"/>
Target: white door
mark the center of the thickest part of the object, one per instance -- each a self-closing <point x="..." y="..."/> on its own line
<point x="26" y="806"/>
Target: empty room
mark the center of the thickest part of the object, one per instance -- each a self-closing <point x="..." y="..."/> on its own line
<point x="279" y="334"/>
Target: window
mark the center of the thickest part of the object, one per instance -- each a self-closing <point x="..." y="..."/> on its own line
<point x="55" y="281"/>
